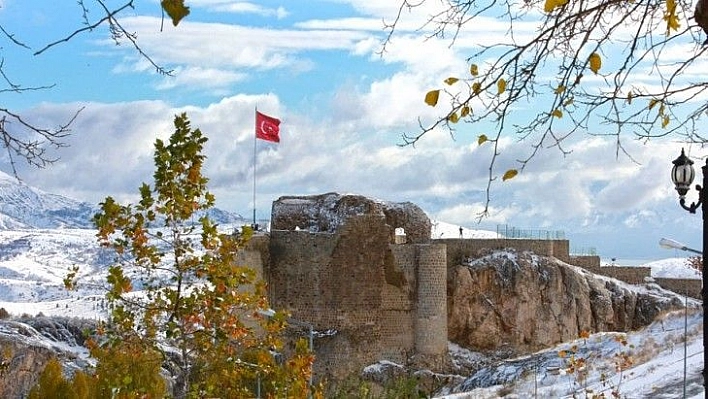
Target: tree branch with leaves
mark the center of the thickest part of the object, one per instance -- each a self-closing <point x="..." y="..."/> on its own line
<point x="603" y="68"/>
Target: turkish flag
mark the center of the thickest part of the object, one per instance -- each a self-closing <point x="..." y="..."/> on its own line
<point x="267" y="127"/>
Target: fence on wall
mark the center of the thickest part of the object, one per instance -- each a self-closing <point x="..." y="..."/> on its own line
<point x="583" y="251"/>
<point x="506" y="231"/>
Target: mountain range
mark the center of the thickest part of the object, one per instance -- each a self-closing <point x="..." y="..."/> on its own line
<point x="26" y="207"/>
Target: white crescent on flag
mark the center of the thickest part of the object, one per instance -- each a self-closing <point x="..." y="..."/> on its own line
<point x="267" y="127"/>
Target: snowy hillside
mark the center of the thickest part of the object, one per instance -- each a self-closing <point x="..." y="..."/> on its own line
<point x="446" y="230"/>
<point x="22" y="206"/>
<point x="25" y="207"/>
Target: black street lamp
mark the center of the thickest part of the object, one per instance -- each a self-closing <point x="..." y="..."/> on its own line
<point x="682" y="175"/>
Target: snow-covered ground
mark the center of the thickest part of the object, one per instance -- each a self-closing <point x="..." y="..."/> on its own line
<point x="446" y="230"/>
<point x="33" y="264"/>
<point x="642" y="364"/>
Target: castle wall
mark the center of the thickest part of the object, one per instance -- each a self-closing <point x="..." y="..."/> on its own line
<point x="628" y="274"/>
<point x="586" y="261"/>
<point x="684" y="286"/>
<point x="341" y="281"/>
<point x="459" y="248"/>
<point x="385" y="300"/>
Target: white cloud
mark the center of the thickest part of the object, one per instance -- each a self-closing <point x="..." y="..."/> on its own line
<point x="239" y="7"/>
<point x="197" y="78"/>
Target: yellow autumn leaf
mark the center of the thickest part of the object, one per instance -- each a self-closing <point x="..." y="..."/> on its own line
<point x="474" y="71"/>
<point x="175" y="9"/>
<point x="665" y="121"/>
<point x="510" y="174"/>
<point x="560" y="89"/>
<point x="465" y="111"/>
<point x="557" y="113"/>
<point x="595" y="62"/>
<point x="629" y="97"/>
<point x="551" y="5"/>
<point x="652" y="103"/>
<point x="481" y="139"/>
<point x="431" y="97"/>
<point x="453" y="117"/>
<point x="476" y="87"/>
<point x="568" y="102"/>
<point x="451" y="80"/>
<point x="501" y="85"/>
<point x="672" y="20"/>
<point x="662" y="108"/>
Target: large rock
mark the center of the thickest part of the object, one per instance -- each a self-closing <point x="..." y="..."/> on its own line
<point x="26" y="349"/>
<point x="522" y="302"/>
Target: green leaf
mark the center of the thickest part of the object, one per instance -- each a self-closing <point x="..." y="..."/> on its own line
<point x="431" y="97"/>
<point x="175" y="9"/>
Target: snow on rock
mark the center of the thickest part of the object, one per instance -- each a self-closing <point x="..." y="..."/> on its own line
<point x="328" y="213"/>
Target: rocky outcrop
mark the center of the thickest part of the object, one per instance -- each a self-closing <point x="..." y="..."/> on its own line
<point x="522" y="302"/>
<point x="25" y="351"/>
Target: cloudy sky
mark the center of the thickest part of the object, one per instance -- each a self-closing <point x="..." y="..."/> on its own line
<point x="344" y="105"/>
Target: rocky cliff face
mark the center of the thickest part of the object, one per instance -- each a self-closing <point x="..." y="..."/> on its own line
<point x="522" y="302"/>
<point x="27" y="344"/>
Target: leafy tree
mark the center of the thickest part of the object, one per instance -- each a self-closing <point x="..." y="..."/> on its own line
<point x="30" y="141"/>
<point x="623" y="69"/>
<point x="177" y="294"/>
<point x="52" y="384"/>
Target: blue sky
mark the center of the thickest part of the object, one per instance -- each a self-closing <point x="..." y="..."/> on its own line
<point x="316" y="66"/>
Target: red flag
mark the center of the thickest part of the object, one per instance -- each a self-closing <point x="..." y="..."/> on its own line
<point x="267" y="127"/>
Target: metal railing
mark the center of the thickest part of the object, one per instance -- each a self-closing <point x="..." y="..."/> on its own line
<point x="506" y="231"/>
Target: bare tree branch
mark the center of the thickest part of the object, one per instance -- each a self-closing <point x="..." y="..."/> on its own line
<point x="25" y="139"/>
<point x="117" y="32"/>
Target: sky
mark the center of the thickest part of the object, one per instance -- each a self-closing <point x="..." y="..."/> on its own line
<point x="318" y="66"/>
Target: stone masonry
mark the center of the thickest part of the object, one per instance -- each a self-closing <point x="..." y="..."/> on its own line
<point x="334" y="263"/>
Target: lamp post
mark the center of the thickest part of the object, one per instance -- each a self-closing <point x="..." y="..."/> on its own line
<point x="673" y="244"/>
<point x="682" y="175"/>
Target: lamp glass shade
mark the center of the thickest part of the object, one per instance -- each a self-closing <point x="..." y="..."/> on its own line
<point x="682" y="173"/>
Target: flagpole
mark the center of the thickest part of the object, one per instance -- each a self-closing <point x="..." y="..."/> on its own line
<point x="254" y="170"/>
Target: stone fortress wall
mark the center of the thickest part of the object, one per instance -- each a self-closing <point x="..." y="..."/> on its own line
<point x="336" y="263"/>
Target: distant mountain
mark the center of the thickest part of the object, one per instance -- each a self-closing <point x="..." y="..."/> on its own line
<point x="22" y="207"/>
<point x="26" y="207"/>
